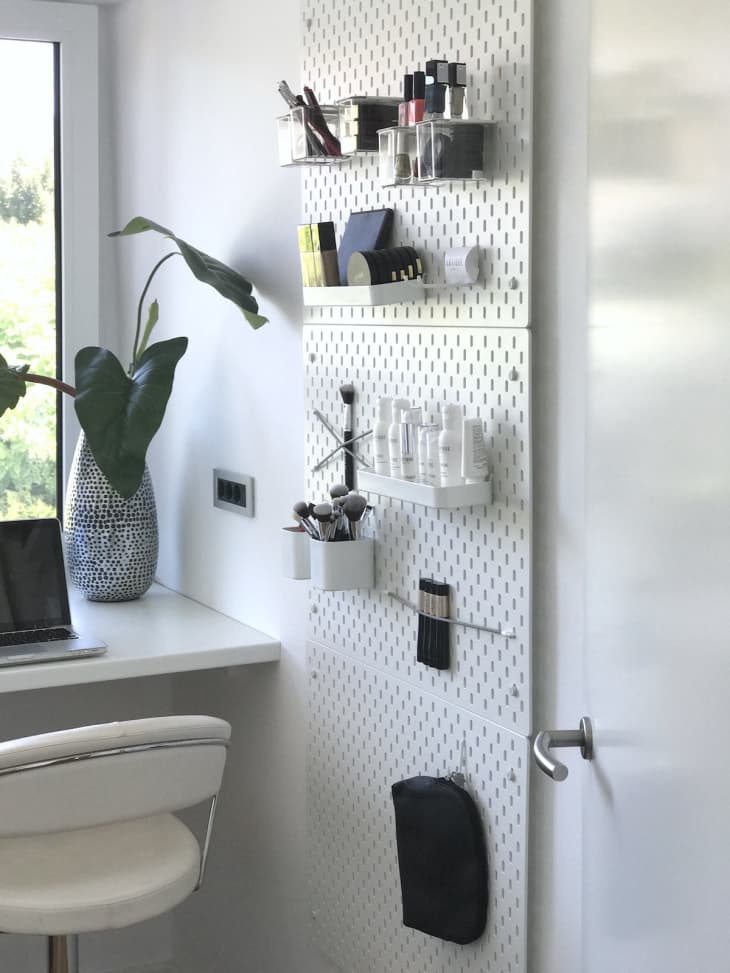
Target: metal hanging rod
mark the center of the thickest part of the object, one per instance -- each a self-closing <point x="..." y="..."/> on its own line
<point x="328" y="457"/>
<point x="341" y="444"/>
<point x="506" y="631"/>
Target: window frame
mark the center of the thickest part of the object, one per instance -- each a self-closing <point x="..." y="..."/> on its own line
<point x="75" y="28"/>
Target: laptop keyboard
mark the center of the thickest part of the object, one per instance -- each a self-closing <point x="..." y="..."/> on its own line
<point x="42" y="635"/>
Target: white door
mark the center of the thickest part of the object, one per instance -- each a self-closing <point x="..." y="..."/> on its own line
<point x="657" y="796"/>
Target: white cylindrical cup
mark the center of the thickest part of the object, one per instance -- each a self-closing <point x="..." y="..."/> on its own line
<point x="295" y="553"/>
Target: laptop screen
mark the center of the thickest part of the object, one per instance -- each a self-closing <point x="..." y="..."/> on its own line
<point x="33" y="591"/>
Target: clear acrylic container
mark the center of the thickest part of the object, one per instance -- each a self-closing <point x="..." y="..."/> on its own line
<point x="362" y="118"/>
<point x="454" y="149"/>
<point x="397" y="156"/>
<point x="300" y="141"/>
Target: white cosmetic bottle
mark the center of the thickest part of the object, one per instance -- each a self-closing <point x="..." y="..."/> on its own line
<point x="450" y="446"/>
<point x="381" y="453"/>
<point x="412" y="419"/>
<point x="433" y="468"/>
<point x="423" y="433"/>
<point x="399" y="407"/>
<point x="475" y="460"/>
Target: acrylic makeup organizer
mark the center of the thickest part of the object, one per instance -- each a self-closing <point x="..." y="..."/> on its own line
<point x="435" y="152"/>
<point x="298" y="146"/>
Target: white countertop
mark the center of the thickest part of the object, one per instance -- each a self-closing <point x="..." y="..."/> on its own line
<point x="161" y="632"/>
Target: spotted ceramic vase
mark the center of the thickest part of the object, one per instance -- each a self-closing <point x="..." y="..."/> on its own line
<point x="111" y="543"/>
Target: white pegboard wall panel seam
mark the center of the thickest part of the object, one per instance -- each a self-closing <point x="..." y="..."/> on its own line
<point x="315" y="645"/>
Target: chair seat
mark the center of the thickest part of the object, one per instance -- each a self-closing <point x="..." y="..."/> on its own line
<point x="96" y="878"/>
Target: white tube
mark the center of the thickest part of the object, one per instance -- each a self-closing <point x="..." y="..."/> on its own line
<point x="474" y="458"/>
<point x="381" y="452"/>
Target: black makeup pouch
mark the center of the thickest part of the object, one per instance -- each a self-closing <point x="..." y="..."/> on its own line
<point x="442" y="859"/>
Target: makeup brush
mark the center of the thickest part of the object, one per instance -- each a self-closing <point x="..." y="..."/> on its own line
<point x="354" y="507"/>
<point x="323" y="515"/>
<point x="304" y="510"/>
<point x="308" y="528"/>
<point x="347" y="392"/>
<point x="338" y="490"/>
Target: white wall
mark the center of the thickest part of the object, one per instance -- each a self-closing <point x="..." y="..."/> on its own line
<point x="192" y="145"/>
<point x="560" y="237"/>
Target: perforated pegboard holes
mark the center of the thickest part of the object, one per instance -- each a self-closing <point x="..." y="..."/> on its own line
<point x="484" y="553"/>
<point x="367" y="49"/>
<point x="368" y="730"/>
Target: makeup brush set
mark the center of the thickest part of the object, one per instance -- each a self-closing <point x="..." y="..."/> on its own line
<point x="339" y="519"/>
<point x="309" y="549"/>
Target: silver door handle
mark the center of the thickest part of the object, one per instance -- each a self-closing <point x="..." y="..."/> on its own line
<point x="545" y="739"/>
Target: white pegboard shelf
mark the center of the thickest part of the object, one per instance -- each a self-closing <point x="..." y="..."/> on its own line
<point x="375" y="295"/>
<point x="436" y="497"/>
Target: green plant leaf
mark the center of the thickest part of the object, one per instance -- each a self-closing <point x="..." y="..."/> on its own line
<point x="119" y="414"/>
<point x="228" y="282"/>
<point x="153" y="316"/>
<point x="12" y="385"/>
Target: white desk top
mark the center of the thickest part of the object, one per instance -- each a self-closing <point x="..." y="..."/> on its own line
<point x="161" y="632"/>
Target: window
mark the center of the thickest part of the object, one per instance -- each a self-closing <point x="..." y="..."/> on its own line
<point x="49" y="218"/>
<point x="29" y="297"/>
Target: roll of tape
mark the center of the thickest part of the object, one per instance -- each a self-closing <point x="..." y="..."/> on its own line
<point x="462" y="265"/>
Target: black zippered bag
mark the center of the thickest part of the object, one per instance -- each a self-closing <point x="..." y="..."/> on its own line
<point x="442" y="859"/>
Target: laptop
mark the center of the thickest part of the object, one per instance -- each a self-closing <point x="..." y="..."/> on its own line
<point x="35" y="617"/>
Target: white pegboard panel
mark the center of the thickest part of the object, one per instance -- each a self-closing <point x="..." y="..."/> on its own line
<point x="367" y="731"/>
<point x="484" y="553"/>
<point x="366" y="48"/>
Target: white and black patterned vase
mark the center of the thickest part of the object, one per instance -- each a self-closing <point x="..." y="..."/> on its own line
<point x="111" y="543"/>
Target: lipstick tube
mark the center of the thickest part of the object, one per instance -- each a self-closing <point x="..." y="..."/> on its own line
<point x="407" y="97"/>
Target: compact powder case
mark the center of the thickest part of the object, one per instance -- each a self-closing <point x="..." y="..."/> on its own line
<point x="368" y="267"/>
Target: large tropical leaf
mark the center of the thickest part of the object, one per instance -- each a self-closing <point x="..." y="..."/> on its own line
<point x="229" y="283"/>
<point x="119" y="414"/>
<point x="12" y="384"/>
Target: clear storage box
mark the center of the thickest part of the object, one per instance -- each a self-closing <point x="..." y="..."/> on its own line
<point x="397" y="156"/>
<point x="361" y="119"/>
<point x="302" y="140"/>
<point x="449" y="149"/>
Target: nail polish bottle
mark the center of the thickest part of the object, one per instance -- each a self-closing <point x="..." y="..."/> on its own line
<point x="417" y="103"/>
<point x="456" y="106"/>
<point x="435" y="102"/>
<point x="437" y="77"/>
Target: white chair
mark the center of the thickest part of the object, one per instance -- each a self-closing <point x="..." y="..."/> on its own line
<point x="88" y="840"/>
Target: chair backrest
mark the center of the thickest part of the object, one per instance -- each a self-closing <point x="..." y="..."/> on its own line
<point x="95" y="775"/>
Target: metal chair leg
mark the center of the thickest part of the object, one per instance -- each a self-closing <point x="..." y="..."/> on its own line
<point x="63" y="954"/>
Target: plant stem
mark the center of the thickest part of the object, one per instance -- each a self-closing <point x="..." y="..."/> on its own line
<point x="173" y="253"/>
<point x="55" y="383"/>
